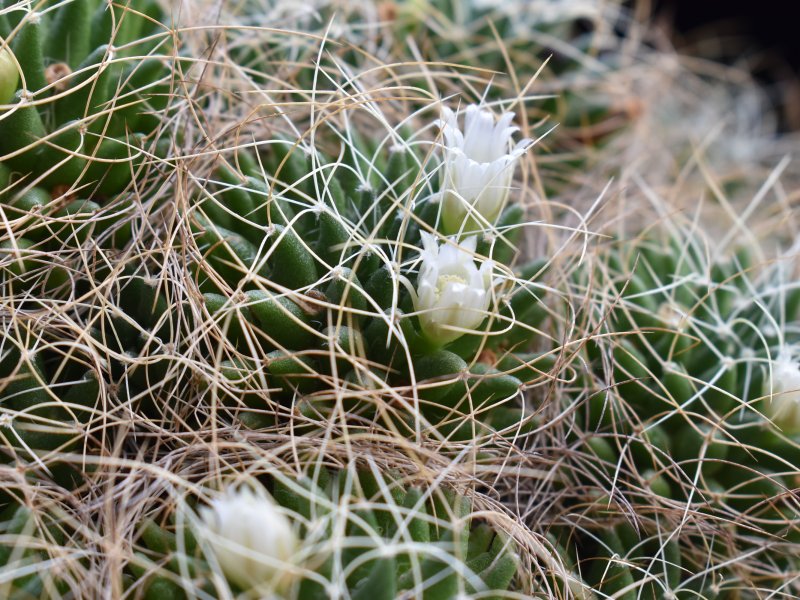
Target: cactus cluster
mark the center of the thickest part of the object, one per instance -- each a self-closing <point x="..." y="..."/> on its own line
<point x="230" y="252"/>
<point x="347" y="533"/>
<point x="692" y="400"/>
<point x="80" y="98"/>
<point x="81" y="83"/>
<point x="309" y="288"/>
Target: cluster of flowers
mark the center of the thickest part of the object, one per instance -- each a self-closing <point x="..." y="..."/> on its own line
<point x="453" y="294"/>
<point x="253" y="540"/>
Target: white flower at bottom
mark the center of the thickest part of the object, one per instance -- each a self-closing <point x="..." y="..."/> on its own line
<point x="784" y="405"/>
<point x="252" y="540"/>
<point x="453" y="295"/>
<point x="478" y="168"/>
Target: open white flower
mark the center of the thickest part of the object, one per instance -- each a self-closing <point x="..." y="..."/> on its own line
<point x="453" y="294"/>
<point x="478" y="168"/>
<point x="252" y="540"/>
<point x="784" y="405"/>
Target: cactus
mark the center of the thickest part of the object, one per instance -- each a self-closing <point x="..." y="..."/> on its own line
<point x="34" y="536"/>
<point x="307" y="276"/>
<point x="47" y="400"/>
<point x="372" y="536"/>
<point x="63" y="127"/>
<point x="699" y="350"/>
<point x="230" y="236"/>
<point x="72" y="138"/>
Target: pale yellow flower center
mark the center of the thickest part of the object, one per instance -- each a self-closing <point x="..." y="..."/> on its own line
<point x="443" y="280"/>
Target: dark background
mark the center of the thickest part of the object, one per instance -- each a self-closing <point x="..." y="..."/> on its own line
<point x="761" y="35"/>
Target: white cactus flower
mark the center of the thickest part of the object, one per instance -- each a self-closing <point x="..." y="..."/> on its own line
<point x="478" y="168"/>
<point x="252" y="540"/>
<point x="453" y="294"/>
<point x="784" y="405"/>
<point x="532" y="13"/>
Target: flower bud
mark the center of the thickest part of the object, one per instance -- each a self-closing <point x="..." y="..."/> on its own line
<point x="783" y="406"/>
<point x="478" y="168"/>
<point x="9" y="76"/>
<point x="252" y="539"/>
